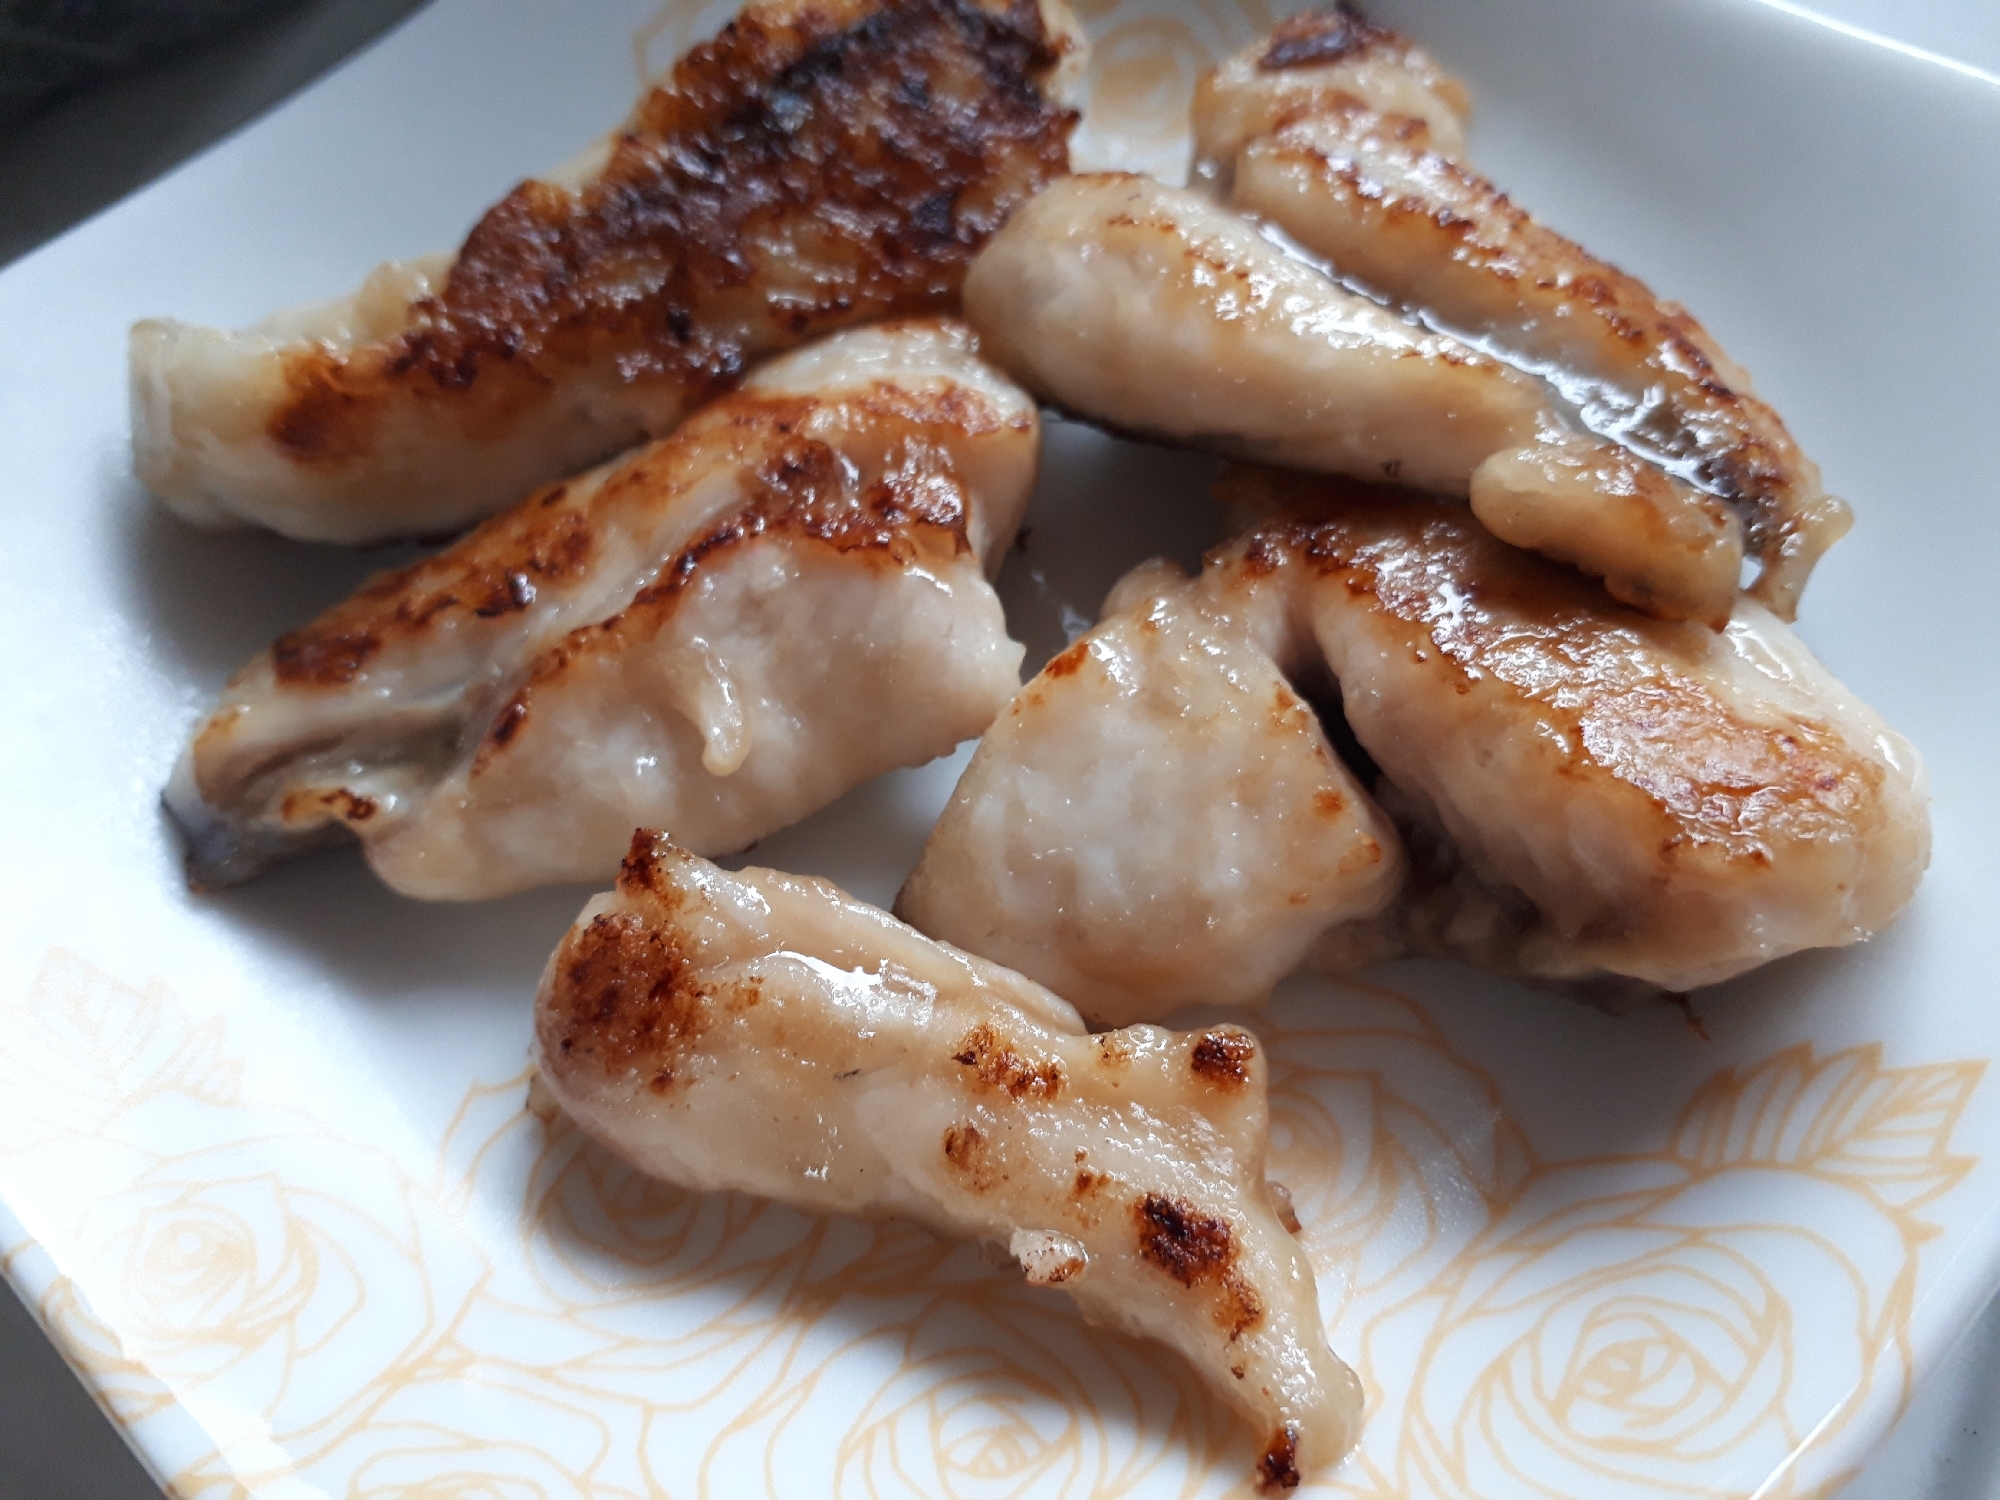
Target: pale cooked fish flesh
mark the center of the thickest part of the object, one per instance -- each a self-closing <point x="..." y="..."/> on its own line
<point x="718" y="633"/>
<point x="1586" y="796"/>
<point x="1157" y="819"/>
<point x="768" y="1034"/>
<point x="1349" y="139"/>
<point x="811" y="166"/>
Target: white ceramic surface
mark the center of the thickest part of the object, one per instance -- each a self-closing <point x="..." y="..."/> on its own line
<point x="263" y="1164"/>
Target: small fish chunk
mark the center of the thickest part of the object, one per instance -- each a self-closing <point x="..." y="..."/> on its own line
<point x="1567" y="790"/>
<point x="762" y="1033"/>
<point x="1152" y="310"/>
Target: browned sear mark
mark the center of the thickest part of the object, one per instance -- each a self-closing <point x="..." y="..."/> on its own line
<point x="640" y="869"/>
<point x="322" y="659"/>
<point x="1066" y="664"/>
<point x="1315" y="38"/>
<point x="1199" y="1251"/>
<point x="996" y="1065"/>
<point x="1222" y="1058"/>
<point x="965" y="1149"/>
<point x="1278" y="1465"/>
<point x="625" y="999"/>
<point x="499" y="569"/>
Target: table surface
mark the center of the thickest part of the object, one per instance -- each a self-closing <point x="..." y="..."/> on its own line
<point x="64" y="165"/>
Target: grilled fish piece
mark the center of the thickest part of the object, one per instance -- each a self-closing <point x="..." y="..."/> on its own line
<point x="1157" y="819"/>
<point x="1339" y="133"/>
<point x="1155" y="311"/>
<point x="720" y="632"/>
<point x="764" y="1033"/>
<point x="812" y="166"/>
<point x="1587" y="797"/>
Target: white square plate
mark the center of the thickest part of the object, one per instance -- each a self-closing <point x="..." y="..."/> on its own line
<point x="264" y="1166"/>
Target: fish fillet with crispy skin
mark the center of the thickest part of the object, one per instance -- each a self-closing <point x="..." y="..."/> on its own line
<point x="814" y="165"/>
<point x="764" y="1033"/>
<point x="723" y="631"/>
<point x="1585" y="796"/>
<point x="1349" y="139"/>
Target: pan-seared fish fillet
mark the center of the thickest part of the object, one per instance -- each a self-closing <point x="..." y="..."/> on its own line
<point x="1151" y="309"/>
<point x="814" y="165"/>
<point x="1587" y="796"/>
<point x="1339" y="132"/>
<point x="769" y="1034"/>
<point x="720" y="633"/>
<point x="1157" y="819"/>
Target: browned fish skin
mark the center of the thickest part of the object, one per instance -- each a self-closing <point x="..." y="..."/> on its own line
<point x="813" y="166"/>
<point x="1320" y="59"/>
<point x="1315" y="38"/>
<point x="1493" y="260"/>
<point x="1365" y="177"/>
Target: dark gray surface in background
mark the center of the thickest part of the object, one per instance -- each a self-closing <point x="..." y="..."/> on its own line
<point x="88" y="151"/>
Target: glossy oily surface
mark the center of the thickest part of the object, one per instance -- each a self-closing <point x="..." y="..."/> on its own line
<point x="774" y="1036"/>
<point x="267" y="1171"/>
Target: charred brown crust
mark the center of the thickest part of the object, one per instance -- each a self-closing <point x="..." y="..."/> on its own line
<point x="623" y="1000"/>
<point x="1066" y="663"/>
<point x="817" y="167"/>
<point x="1222" y="1058"/>
<point x="1734" y="444"/>
<point x="1720" y="781"/>
<point x="1278" y="1464"/>
<point x="639" y="872"/>
<point x="1190" y="1246"/>
<point x="322" y="656"/>
<point x="965" y="1148"/>
<point x="494" y="571"/>
<point x="1316" y="38"/>
<point x="997" y="1066"/>
<point x="1199" y="1251"/>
